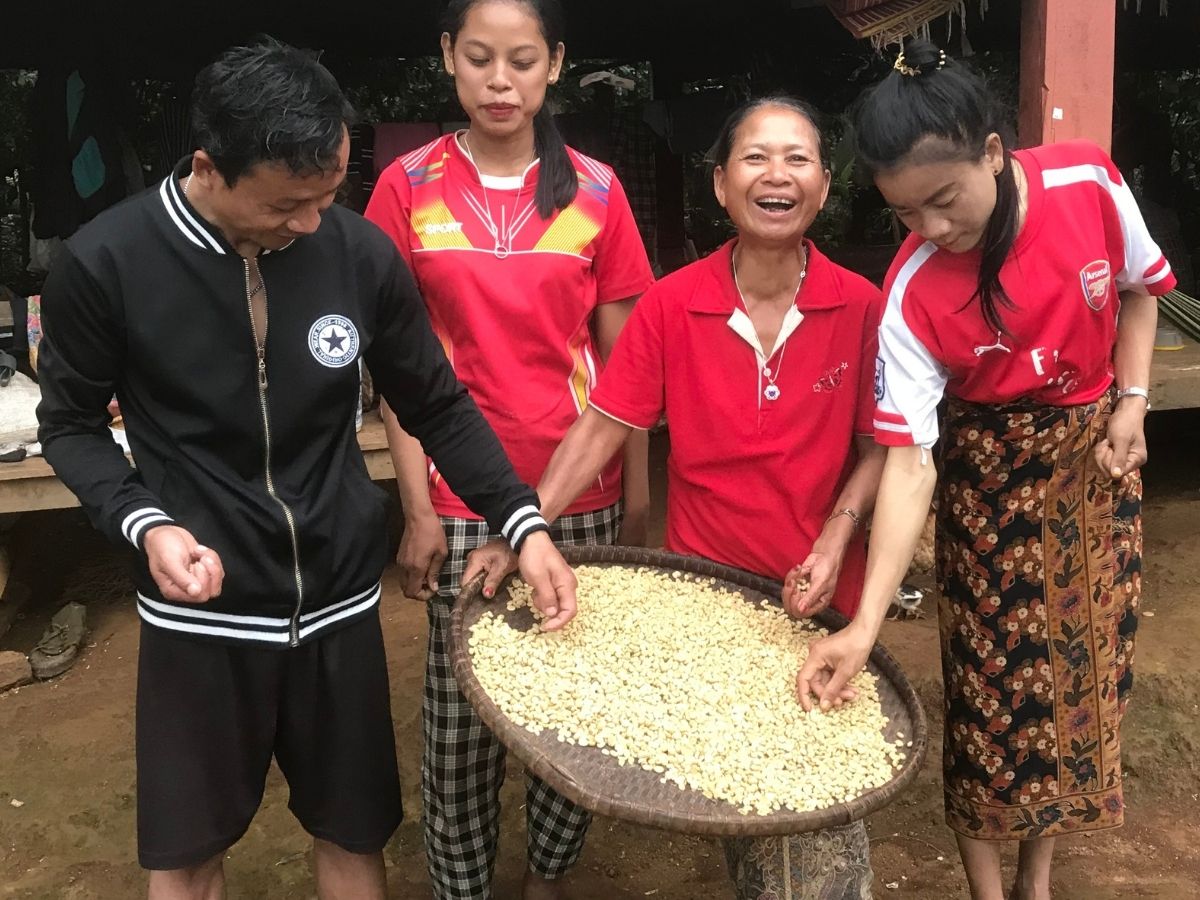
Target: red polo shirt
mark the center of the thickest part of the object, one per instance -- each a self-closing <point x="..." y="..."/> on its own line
<point x="751" y="480"/>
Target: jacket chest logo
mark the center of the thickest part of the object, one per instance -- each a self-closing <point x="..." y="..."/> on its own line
<point x="1096" y="279"/>
<point x="333" y="341"/>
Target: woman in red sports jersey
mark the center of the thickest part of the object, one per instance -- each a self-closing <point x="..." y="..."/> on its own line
<point x="762" y="356"/>
<point x="529" y="260"/>
<point x="1004" y="299"/>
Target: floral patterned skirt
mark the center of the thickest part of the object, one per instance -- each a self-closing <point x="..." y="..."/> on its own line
<point x="1039" y="566"/>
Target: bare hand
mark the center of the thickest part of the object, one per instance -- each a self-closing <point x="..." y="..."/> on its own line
<point x="552" y="580"/>
<point x="635" y="527"/>
<point x="1123" y="450"/>
<point x="832" y="662"/>
<point x="809" y="587"/>
<point x="497" y="559"/>
<point x="183" y="570"/>
<point x="422" y="551"/>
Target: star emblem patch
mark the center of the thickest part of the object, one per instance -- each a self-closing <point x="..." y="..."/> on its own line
<point x="333" y="341"/>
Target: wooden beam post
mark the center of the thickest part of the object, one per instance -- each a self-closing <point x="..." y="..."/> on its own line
<point x="1067" y="59"/>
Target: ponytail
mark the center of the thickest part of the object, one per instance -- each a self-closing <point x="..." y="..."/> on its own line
<point x="557" y="181"/>
<point x="998" y="240"/>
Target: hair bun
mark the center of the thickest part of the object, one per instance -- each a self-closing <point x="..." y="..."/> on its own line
<point x="920" y="56"/>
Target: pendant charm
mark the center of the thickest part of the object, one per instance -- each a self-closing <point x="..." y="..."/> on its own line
<point x="501" y="251"/>
<point x="771" y="392"/>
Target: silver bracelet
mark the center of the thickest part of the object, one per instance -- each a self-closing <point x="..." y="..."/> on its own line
<point x="1135" y="392"/>
<point x="847" y="511"/>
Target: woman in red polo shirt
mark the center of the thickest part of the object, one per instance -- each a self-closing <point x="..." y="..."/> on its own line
<point x="1005" y="297"/>
<point x="762" y="356"/>
<point x="529" y="260"/>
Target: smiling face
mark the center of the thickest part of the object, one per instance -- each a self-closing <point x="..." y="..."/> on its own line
<point x="269" y="205"/>
<point x="773" y="183"/>
<point x="944" y="200"/>
<point x="501" y="66"/>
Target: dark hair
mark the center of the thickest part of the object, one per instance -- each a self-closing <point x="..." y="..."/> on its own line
<point x="557" y="181"/>
<point x="945" y="100"/>
<point x="723" y="147"/>
<point x="269" y="102"/>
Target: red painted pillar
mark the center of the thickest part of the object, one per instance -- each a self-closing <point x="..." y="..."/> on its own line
<point x="1067" y="50"/>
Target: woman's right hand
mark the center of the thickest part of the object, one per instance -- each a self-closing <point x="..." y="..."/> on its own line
<point x="423" y="549"/>
<point x="832" y="662"/>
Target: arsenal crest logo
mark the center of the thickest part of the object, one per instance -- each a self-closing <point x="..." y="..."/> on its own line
<point x="1096" y="278"/>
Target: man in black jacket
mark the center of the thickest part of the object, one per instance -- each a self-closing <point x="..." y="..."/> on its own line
<point x="262" y="540"/>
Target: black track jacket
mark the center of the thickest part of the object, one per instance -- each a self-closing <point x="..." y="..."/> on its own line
<point x="150" y="303"/>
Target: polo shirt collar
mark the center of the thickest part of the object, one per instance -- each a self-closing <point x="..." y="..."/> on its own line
<point x="717" y="293"/>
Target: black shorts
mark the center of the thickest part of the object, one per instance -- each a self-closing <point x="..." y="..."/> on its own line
<point x="211" y="716"/>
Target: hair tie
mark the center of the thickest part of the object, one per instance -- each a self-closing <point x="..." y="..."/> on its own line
<point x="912" y="71"/>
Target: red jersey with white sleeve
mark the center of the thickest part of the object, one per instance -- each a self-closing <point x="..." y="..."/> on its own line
<point x="1083" y="242"/>
<point x="761" y="443"/>
<point x="511" y="295"/>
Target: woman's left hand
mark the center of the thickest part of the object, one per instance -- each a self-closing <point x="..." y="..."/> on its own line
<point x="1123" y="450"/>
<point x="497" y="559"/>
<point x="821" y="570"/>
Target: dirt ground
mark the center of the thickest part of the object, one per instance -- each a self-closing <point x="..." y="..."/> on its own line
<point x="67" y="766"/>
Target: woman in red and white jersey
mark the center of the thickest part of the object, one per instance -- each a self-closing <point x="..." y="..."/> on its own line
<point x="529" y="260"/>
<point x="1005" y="301"/>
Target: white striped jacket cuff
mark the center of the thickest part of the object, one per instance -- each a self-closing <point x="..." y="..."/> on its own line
<point x="523" y="522"/>
<point x="139" y="520"/>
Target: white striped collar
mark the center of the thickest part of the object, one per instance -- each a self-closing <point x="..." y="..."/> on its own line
<point x="188" y="220"/>
<point x="184" y="216"/>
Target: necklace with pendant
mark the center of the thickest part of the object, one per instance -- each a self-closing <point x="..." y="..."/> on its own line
<point x="771" y="391"/>
<point x="502" y="234"/>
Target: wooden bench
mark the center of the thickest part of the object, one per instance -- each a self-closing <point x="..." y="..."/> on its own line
<point x="31" y="484"/>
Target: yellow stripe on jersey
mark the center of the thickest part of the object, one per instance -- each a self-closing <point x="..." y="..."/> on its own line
<point x="579" y="378"/>
<point x="436" y="228"/>
<point x="570" y="232"/>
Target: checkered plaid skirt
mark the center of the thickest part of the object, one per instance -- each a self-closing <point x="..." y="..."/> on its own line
<point x="463" y="764"/>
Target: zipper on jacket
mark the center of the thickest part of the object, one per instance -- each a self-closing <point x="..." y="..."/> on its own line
<point x="260" y="350"/>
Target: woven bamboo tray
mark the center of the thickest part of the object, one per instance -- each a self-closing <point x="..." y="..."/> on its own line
<point x="599" y="783"/>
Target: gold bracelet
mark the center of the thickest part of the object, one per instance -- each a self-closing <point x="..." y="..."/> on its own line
<point x="846" y="511"/>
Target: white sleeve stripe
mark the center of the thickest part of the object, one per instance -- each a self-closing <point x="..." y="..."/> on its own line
<point x="1141" y="252"/>
<point x="522" y="513"/>
<point x="144" y="524"/>
<point x="907" y="271"/>
<point x="1155" y="279"/>
<point x="130" y="519"/>
<point x="888" y="426"/>
<point x="913" y="380"/>
<point x="1052" y="178"/>
<point x="408" y="160"/>
<point x="596" y="170"/>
